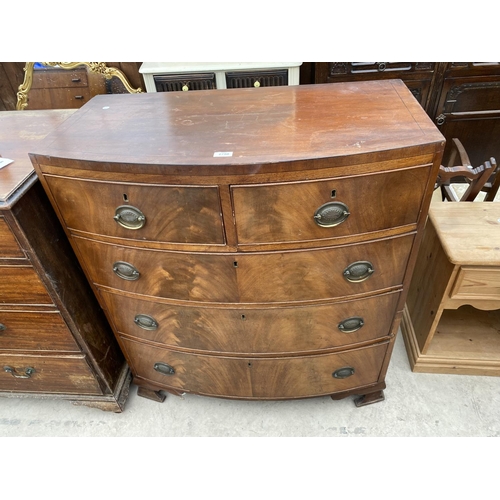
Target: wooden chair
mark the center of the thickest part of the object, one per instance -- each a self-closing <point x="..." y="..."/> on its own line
<point x="477" y="178"/>
<point x="493" y="185"/>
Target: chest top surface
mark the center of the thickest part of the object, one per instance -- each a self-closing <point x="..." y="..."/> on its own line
<point x="20" y="131"/>
<point x="246" y="126"/>
<point x="469" y="232"/>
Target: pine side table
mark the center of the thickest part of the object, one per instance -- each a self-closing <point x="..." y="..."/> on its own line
<point x="451" y="322"/>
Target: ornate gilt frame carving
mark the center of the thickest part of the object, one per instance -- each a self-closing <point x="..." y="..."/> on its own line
<point x="95" y="67"/>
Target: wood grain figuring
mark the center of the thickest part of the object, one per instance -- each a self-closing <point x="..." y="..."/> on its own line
<point x="284" y="212"/>
<point x="61" y="374"/>
<point x="273" y="124"/>
<point x="34" y="331"/>
<point x="9" y="246"/>
<point x="263" y="331"/>
<point x="22" y="285"/>
<point x="179" y="214"/>
<point x="251" y="378"/>
<point x="249" y="278"/>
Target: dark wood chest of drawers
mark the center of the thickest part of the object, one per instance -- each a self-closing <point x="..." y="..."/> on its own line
<point x="54" y="338"/>
<point x="252" y="244"/>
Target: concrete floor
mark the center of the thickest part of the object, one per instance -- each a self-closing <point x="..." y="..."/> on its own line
<point x="416" y="404"/>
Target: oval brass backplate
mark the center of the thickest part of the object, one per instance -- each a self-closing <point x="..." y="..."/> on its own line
<point x="164" y="368"/>
<point x="331" y="214"/>
<point x="358" y="271"/>
<point x="129" y="217"/>
<point x="126" y="271"/>
<point x="146" y="322"/>
<point x="345" y="372"/>
<point x="351" y="325"/>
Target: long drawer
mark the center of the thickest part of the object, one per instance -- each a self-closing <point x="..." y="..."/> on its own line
<point x="35" y="331"/>
<point x="329" y="208"/>
<point x="9" y="246"/>
<point x="259" y="331"/>
<point x="256" y="378"/>
<point x="257" y="278"/>
<point x="145" y="212"/>
<point x="22" y="285"/>
<point x="49" y="374"/>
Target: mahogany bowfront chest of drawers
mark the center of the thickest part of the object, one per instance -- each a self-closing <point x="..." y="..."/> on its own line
<point x="251" y="244"/>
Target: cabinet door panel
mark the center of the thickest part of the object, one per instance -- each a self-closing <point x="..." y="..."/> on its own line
<point x="252" y="378"/>
<point x="253" y="330"/>
<point x="253" y="278"/>
<point x="176" y="214"/>
<point x="469" y="109"/>
<point x="285" y="212"/>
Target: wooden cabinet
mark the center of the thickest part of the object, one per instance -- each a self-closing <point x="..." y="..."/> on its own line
<point x="463" y="99"/>
<point x="418" y="76"/>
<point x="252" y="255"/>
<point x="468" y="107"/>
<point x="452" y="318"/>
<point x="54" y="338"/>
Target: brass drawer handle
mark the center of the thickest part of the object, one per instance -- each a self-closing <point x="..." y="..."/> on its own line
<point x="331" y="214"/>
<point x="164" y="369"/>
<point x="27" y="372"/>
<point x="146" y="322"/>
<point x="351" y="325"/>
<point x="256" y="84"/>
<point x="345" y="372"/>
<point x="185" y="88"/>
<point x="358" y="271"/>
<point x="126" y="271"/>
<point x="440" y="120"/>
<point x="129" y="217"/>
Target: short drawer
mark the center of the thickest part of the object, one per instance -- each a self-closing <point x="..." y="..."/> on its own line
<point x="263" y="331"/>
<point x="48" y="374"/>
<point x="34" y="331"/>
<point x="259" y="78"/>
<point x="249" y="278"/>
<point x="9" y="246"/>
<point x="22" y="285"/>
<point x="477" y="283"/>
<point x="56" y="78"/>
<point x="173" y="214"/>
<point x="184" y="82"/>
<point x="256" y="378"/>
<point x="330" y="208"/>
